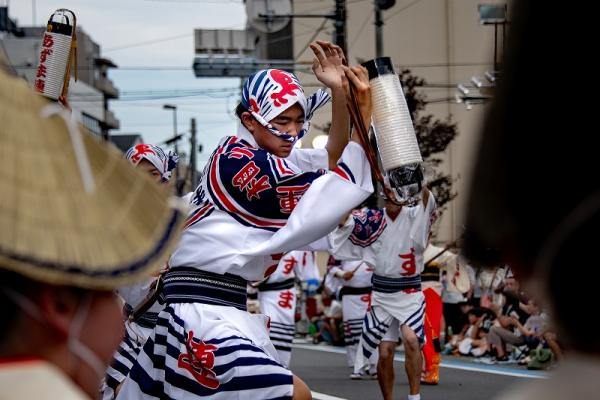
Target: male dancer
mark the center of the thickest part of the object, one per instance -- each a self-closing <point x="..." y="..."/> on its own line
<point x="255" y="198"/>
<point x="392" y="239"/>
<point x="277" y="299"/>
<point x="355" y="296"/>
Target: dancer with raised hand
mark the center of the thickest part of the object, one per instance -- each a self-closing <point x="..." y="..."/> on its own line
<point x="256" y="195"/>
<point x="393" y="240"/>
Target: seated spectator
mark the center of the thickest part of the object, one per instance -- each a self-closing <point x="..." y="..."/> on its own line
<point x="473" y="340"/>
<point x="328" y="321"/>
<point x="514" y="332"/>
<point x="551" y="341"/>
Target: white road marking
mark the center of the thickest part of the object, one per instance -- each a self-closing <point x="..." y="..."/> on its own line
<point x="323" y="396"/>
<point x="465" y="366"/>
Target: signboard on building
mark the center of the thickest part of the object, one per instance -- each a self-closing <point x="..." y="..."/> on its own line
<point x="230" y="53"/>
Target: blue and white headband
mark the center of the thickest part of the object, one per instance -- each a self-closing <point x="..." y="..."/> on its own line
<point x="164" y="163"/>
<point x="269" y="92"/>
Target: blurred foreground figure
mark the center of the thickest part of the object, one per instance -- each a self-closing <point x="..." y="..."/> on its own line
<point x="528" y="157"/>
<point x="71" y="234"/>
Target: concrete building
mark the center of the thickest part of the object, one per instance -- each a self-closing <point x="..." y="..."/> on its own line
<point x="88" y="96"/>
<point x="439" y="40"/>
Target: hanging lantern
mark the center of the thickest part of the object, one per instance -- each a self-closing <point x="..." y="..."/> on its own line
<point x="58" y="55"/>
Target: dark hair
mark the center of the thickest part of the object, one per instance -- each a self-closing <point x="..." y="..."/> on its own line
<point x="525" y="155"/>
<point x="574" y="290"/>
<point x="239" y="109"/>
<point x="8" y="310"/>
<point x="27" y="287"/>
<point x="476" y="311"/>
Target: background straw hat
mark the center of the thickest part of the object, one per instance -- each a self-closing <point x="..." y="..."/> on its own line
<point x="51" y="229"/>
<point x="457" y="274"/>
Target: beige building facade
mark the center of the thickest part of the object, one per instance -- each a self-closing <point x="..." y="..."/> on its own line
<point x="441" y="41"/>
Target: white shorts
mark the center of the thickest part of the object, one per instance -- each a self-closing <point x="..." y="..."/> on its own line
<point x="382" y="322"/>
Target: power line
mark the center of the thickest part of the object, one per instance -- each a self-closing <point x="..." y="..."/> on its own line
<point x="194" y="108"/>
<point x="139" y="95"/>
<point x="167" y="95"/>
<point x="122" y="68"/>
<point x="362" y="27"/>
<point x="307" y="1"/>
<point x="147" y="42"/>
<point x="286" y="37"/>
<point x="189" y="68"/>
<point x="159" y="40"/>
<point x="439" y="65"/>
<point x="324" y="7"/>
<point x="184" y="124"/>
<point x="321" y="27"/>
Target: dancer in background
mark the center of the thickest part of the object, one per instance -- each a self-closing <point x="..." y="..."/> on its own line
<point x="355" y="296"/>
<point x="392" y="239"/>
<point x="158" y="165"/>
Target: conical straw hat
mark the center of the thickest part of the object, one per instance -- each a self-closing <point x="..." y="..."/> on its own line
<point x="53" y="230"/>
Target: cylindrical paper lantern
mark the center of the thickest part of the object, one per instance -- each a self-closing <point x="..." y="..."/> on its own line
<point x="393" y="127"/>
<point x="56" y="55"/>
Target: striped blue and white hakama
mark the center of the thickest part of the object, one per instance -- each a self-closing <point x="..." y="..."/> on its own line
<point x="205" y="350"/>
<point x="125" y="356"/>
<point x="406" y="306"/>
<point x="354" y="309"/>
<point x="280" y="306"/>
<point x="282" y="336"/>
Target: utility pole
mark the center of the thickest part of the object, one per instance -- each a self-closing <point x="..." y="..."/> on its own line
<point x="174" y="109"/>
<point x="378" y="31"/>
<point x="338" y="16"/>
<point x="378" y="6"/>
<point x="340" y="25"/>
<point x="193" y="151"/>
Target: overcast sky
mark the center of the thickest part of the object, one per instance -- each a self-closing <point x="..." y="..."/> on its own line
<point x="152" y="43"/>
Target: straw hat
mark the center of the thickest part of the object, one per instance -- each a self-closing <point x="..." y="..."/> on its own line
<point x="78" y="216"/>
<point x="457" y="274"/>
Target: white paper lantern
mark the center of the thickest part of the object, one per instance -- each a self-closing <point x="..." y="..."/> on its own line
<point x="393" y="127"/>
<point x="396" y="139"/>
<point x="55" y="53"/>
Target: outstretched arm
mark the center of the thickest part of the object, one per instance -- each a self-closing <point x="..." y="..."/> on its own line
<point x="327" y="67"/>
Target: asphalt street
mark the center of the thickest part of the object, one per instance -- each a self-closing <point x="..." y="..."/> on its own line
<point x="324" y="369"/>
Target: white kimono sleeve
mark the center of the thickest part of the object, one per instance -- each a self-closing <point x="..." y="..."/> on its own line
<point x="309" y="159"/>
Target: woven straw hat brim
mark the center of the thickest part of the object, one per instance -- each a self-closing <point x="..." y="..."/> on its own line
<point x="52" y="230"/>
